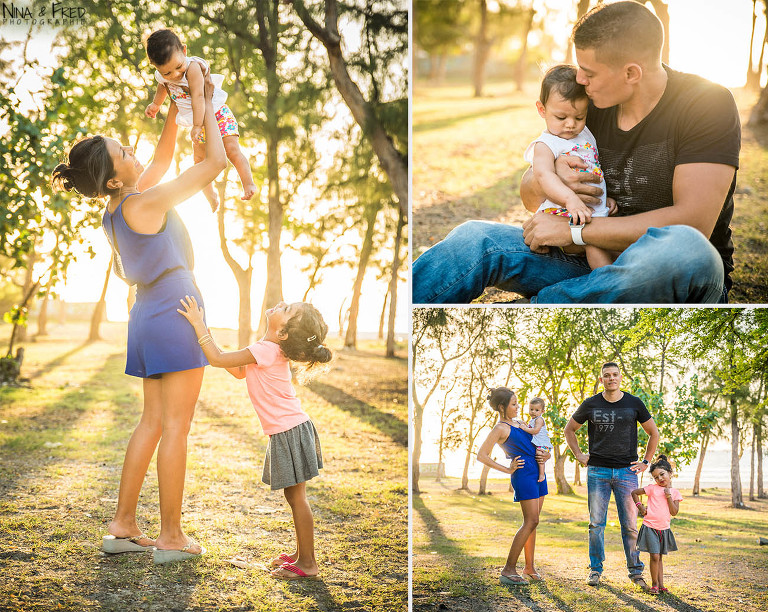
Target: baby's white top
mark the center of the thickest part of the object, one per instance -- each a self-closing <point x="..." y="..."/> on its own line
<point x="582" y="145"/>
<point x="541" y="438"/>
<point x="180" y="92"/>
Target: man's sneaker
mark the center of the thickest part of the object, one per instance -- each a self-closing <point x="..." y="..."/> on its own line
<point x="594" y="578"/>
<point x="638" y="580"/>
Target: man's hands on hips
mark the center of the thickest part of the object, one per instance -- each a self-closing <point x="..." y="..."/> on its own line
<point x="638" y="466"/>
<point x="582" y="458"/>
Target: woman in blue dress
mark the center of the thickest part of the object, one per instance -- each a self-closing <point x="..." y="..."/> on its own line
<point x="152" y="250"/>
<point x="524" y="471"/>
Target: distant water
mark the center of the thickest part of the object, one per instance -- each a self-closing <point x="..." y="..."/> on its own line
<point x="715" y="473"/>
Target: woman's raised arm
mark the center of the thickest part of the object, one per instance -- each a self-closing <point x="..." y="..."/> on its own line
<point x="163" y="156"/>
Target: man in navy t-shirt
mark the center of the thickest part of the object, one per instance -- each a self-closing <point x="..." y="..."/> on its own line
<point x="612" y="465"/>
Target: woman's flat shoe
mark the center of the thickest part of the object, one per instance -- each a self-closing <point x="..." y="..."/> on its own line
<point x="513" y="580"/>
<point x="168" y="556"/>
<point x="114" y="545"/>
<point x="280" y="559"/>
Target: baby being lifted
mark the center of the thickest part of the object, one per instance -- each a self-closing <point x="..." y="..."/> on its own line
<point x="563" y="105"/>
<point x="181" y="77"/>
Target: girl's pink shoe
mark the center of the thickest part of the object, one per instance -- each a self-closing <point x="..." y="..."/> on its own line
<point x="663" y="590"/>
<point x="654" y="590"/>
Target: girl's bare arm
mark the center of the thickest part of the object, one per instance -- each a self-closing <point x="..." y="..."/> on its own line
<point x="233" y="361"/>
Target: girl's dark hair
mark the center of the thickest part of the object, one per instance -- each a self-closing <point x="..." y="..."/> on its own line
<point x="561" y="79"/>
<point x="661" y="462"/>
<point x="305" y="333"/>
<point x="90" y="167"/>
<point x="161" y="45"/>
<point x="499" y="399"/>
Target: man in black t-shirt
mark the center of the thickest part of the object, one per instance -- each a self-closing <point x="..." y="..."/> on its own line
<point x="612" y="465"/>
<point x="668" y="145"/>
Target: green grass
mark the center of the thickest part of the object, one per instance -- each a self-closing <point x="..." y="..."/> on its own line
<point x="461" y="540"/>
<point x="468" y="161"/>
<point x="62" y="443"/>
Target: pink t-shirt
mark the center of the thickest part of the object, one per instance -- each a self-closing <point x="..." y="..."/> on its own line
<point x="271" y="391"/>
<point x="658" y="516"/>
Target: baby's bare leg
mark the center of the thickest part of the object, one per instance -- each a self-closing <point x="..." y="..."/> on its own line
<point x="240" y="162"/>
<point x="541" y="472"/>
<point x="597" y="257"/>
<point x="198" y="150"/>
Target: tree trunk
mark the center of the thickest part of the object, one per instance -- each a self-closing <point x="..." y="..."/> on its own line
<point x="482" y="49"/>
<point x="243" y="276"/>
<point x="15" y="335"/>
<point x="702" y="452"/>
<point x="737" y="499"/>
<point x="21" y="330"/>
<point x="759" y="115"/>
<point x="753" y="76"/>
<point x="42" y="317"/>
<point x="401" y="221"/>
<point x="577" y="474"/>
<point x="581" y="9"/>
<point x="484" y="479"/>
<point x="522" y="60"/>
<point x="418" y="415"/>
<point x="371" y="212"/>
<point x="752" y="468"/>
<point x="563" y="488"/>
<point x="465" y="473"/>
<point x="392" y="162"/>
<point x="101" y="308"/>
<point x="268" y="34"/>
<point x="383" y="315"/>
<point x="759" y="434"/>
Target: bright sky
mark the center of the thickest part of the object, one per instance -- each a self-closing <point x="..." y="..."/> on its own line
<point x="214" y="277"/>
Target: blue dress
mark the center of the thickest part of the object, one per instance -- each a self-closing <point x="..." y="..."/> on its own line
<point x="524" y="480"/>
<point x="160" y="340"/>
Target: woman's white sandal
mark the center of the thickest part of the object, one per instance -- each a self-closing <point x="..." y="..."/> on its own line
<point x="114" y="545"/>
<point x="167" y="556"/>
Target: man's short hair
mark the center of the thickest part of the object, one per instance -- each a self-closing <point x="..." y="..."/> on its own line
<point x="562" y="79"/>
<point x="620" y="32"/>
<point x="609" y="364"/>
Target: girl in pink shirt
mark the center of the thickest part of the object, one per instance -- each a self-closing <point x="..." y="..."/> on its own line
<point x="655" y="536"/>
<point x="295" y="332"/>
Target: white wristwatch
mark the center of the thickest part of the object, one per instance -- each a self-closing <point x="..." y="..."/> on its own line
<point x="576" y="233"/>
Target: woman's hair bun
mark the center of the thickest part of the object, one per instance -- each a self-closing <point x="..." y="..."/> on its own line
<point x="62" y="177"/>
<point x="490" y="393"/>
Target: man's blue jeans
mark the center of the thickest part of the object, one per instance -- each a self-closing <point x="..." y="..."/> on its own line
<point x="600" y="482"/>
<point x="668" y="265"/>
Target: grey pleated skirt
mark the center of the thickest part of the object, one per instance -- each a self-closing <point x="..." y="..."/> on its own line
<point x="292" y="457"/>
<point x="656" y="541"/>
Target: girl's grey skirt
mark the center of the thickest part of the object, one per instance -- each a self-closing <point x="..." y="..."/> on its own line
<point x="656" y="541"/>
<point x="292" y="457"/>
